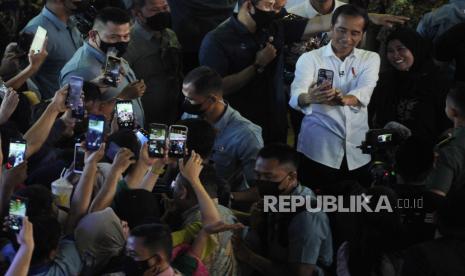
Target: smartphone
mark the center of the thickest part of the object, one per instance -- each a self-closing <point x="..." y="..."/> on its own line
<point x="125" y="114"/>
<point x="325" y="75"/>
<point x="142" y="136"/>
<point x="95" y="132"/>
<point x="112" y="71"/>
<point x="3" y="89"/>
<point x="16" y="152"/>
<point x="112" y="150"/>
<point x="385" y="138"/>
<point x="74" y="100"/>
<point x="177" y="137"/>
<point x="39" y="39"/>
<point x="157" y="140"/>
<point x="18" y="208"/>
<point x="79" y="155"/>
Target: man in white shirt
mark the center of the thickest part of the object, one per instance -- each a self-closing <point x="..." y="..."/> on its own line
<point x="312" y="8"/>
<point x="335" y="120"/>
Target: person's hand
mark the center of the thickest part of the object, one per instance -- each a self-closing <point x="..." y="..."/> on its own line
<point x="123" y="159"/>
<point x="350" y="100"/>
<point x="144" y="157"/>
<point x="221" y="226"/>
<point x="9" y="104"/>
<point x="133" y="90"/>
<point x="25" y="236"/>
<point x="37" y="59"/>
<point x="387" y="20"/>
<point x="69" y="122"/>
<point x="191" y="170"/>
<point x="322" y="94"/>
<point x="59" y="100"/>
<point x="241" y="251"/>
<point x="266" y="55"/>
<point x="92" y="158"/>
<point x="14" y="176"/>
<point x="257" y="216"/>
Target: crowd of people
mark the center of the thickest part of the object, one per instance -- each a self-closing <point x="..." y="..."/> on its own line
<point x="271" y="98"/>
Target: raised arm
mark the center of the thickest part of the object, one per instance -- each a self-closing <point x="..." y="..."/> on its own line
<point x="39" y="132"/>
<point x="82" y="194"/>
<point x="106" y="194"/>
<point x="22" y="260"/>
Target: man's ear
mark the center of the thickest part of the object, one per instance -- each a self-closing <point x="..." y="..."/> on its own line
<point x="93" y="35"/>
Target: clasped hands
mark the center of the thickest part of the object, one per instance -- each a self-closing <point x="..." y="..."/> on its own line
<point x="325" y="94"/>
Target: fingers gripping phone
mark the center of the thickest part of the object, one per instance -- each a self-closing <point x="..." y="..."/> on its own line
<point x="18" y="208"/>
<point x="39" y="39"/>
<point x="125" y="114"/>
<point x="157" y="140"/>
<point x="112" y="71"/>
<point x="79" y="155"/>
<point x="95" y="132"/>
<point x="112" y="150"/>
<point x="178" y="138"/>
<point x="325" y="75"/>
<point x="74" y="100"/>
<point x="16" y="153"/>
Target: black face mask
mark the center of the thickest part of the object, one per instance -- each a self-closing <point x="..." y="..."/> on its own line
<point x="81" y="6"/>
<point x="136" y="268"/>
<point x="270" y="188"/>
<point x="119" y="46"/>
<point x="263" y="18"/>
<point x="159" y="21"/>
<point x="194" y="109"/>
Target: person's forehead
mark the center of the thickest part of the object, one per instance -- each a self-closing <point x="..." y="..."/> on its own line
<point x="352" y="23"/>
<point x="266" y="165"/>
<point x="112" y="28"/>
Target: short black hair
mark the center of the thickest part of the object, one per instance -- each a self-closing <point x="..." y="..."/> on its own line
<point x="205" y="80"/>
<point x="209" y="179"/>
<point x="111" y="14"/>
<point x="47" y="232"/>
<point x="281" y="152"/>
<point x="40" y="200"/>
<point x="157" y="237"/>
<point x="91" y="92"/>
<point x="201" y="136"/>
<point x="457" y="96"/>
<point x="350" y="10"/>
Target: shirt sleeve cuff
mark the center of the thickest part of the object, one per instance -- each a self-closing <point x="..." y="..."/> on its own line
<point x="294" y="103"/>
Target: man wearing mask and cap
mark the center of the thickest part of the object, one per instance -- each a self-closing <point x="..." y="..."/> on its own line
<point x="292" y="243"/>
<point x="155" y="55"/>
<point x="63" y="40"/>
<point x="110" y="35"/>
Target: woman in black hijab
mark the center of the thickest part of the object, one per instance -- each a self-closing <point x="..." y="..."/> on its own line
<point x="413" y="91"/>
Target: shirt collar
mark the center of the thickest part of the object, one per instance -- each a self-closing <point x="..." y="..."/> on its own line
<point x="224" y="120"/>
<point x="237" y="25"/>
<point x="60" y="25"/>
<point x="97" y="54"/>
<point x="328" y="51"/>
<point x="138" y="28"/>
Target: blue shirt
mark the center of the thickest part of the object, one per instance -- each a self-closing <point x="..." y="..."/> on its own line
<point x="63" y="40"/>
<point x="89" y="63"/>
<point x="236" y="146"/>
<point x="434" y="23"/>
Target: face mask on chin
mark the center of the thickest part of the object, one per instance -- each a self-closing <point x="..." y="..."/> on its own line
<point x="159" y="21"/>
<point x="263" y="18"/>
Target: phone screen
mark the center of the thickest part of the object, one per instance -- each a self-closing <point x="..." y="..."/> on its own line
<point x="79" y="155"/>
<point x="39" y="39"/>
<point x="74" y="100"/>
<point x="384" y="138"/>
<point x="17" y="153"/>
<point x="112" y="70"/>
<point x="95" y="132"/>
<point x="142" y="136"/>
<point x="125" y="114"/>
<point x="177" y="137"/>
<point x="3" y="89"/>
<point x="157" y="140"/>
<point x="17" y="211"/>
<point x="325" y="75"/>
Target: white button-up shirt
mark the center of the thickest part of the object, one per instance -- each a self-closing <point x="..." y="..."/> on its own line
<point x="328" y="132"/>
<point x="305" y="9"/>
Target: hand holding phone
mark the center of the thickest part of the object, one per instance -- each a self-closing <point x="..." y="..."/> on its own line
<point x="17" y="211"/>
<point x="79" y="155"/>
<point x="112" y="71"/>
<point x="157" y="140"/>
<point x="125" y="114"/>
<point x="325" y="76"/>
<point x="16" y="153"/>
<point x="39" y="39"/>
<point x="74" y="99"/>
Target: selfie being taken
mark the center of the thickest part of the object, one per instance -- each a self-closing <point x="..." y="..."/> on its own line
<point x="232" y="138"/>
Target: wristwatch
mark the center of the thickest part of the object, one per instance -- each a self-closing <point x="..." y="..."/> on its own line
<point x="258" y="68"/>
